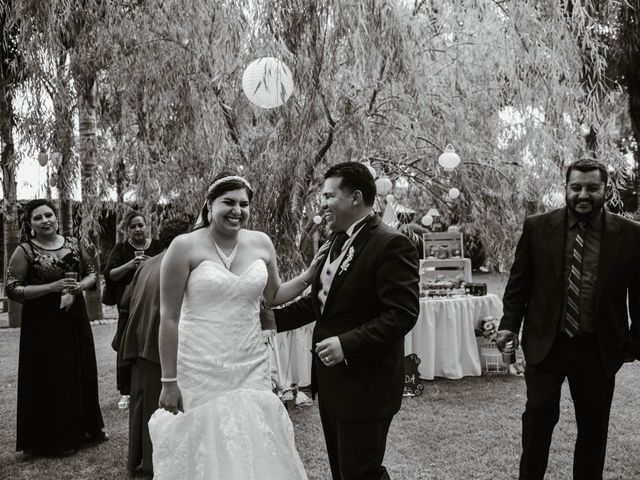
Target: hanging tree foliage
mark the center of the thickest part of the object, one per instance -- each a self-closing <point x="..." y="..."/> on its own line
<point x="511" y="85"/>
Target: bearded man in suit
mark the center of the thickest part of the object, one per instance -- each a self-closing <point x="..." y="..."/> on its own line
<point x="364" y="299"/>
<point x="574" y="270"/>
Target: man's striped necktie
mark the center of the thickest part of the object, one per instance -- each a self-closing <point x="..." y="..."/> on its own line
<point x="572" y="326"/>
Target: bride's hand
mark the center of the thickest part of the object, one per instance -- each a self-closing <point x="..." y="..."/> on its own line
<point x="171" y="398"/>
<point x="315" y="263"/>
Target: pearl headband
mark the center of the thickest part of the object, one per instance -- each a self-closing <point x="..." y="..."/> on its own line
<point x="228" y="179"/>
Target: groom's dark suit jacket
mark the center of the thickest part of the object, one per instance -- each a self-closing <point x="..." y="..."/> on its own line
<point x="535" y="291"/>
<point x="371" y="306"/>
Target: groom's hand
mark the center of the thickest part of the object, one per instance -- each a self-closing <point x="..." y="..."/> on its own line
<point x="504" y="336"/>
<point x="330" y="351"/>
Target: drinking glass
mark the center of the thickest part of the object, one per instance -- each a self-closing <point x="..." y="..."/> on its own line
<point x="509" y="353"/>
<point x="72" y="276"/>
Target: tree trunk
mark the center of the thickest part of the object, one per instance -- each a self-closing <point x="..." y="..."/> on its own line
<point x="90" y="208"/>
<point x="120" y="179"/>
<point x="10" y="204"/>
<point x="63" y="144"/>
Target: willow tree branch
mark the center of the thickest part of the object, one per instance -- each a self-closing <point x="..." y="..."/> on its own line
<point x="488" y="166"/>
<point x="376" y="90"/>
<point x="230" y="122"/>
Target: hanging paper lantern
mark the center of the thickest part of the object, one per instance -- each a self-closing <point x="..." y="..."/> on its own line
<point x="383" y="185"/>
<point x="390" y="198"/>
<point x="449" y="159"/>
<point x="43" y="158"/>
<point x="454" y="193"/>
<point x="317" y="219"/>
<point x="56" y="157"/>
<point x="427" y="220"/>
<point x="433" y="212"/>
<point x="267" y="82"/>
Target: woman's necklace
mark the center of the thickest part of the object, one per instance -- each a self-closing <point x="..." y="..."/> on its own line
<point x="226" y="260"/>
<point x="138" y="247"/>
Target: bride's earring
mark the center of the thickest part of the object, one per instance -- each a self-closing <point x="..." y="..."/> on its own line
<point x="33" y="234"/>
<point x="209" y="216"/>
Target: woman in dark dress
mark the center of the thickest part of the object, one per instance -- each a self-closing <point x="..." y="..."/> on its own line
<point x="119" y="270"/>
<point x="58" y="407"/>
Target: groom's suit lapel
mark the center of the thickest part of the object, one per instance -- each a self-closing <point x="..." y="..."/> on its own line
<point x="357" y="245"/>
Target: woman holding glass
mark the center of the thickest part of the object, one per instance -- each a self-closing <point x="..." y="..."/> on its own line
<point x="58" y="407"/>
<point x="123" y="261"/>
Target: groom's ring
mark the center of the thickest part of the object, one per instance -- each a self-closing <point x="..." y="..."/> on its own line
<point x="326" y="359"/>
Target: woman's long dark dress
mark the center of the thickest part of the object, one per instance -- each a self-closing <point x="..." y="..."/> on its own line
<point x="57" y="375"/>
<point x="122" y="253"/>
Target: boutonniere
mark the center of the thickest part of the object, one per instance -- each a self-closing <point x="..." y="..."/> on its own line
<point x="347" y="260"/>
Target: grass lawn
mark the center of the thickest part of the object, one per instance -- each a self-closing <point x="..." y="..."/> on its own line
<point x="457" y="429"/>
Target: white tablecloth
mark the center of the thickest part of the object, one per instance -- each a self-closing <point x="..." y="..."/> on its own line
<point x="292" y="356"/>
<point x="444" y="337"/>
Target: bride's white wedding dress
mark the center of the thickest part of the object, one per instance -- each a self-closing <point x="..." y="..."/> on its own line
<point x="233" y="426"/>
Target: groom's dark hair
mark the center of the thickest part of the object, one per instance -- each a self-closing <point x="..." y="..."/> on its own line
<point x="354" y="176"/>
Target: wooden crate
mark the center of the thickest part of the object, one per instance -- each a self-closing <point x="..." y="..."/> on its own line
<point x="443" y="245"/>
<point x="449" y="269"/>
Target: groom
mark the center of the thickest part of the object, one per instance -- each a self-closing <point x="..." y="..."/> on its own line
<point x="364" y="299"/>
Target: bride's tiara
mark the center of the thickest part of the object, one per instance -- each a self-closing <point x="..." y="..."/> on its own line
<point x="228" y="179"/>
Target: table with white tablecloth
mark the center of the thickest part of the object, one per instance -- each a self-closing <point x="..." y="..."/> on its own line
<point x="444" y="336"/>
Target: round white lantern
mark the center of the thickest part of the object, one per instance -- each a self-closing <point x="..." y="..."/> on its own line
<point x="267" y="82"/>
<point x="427" y="220"/>
<point x="454" y="193"/>
<point x="383" y="185"/>
<point x="449" y="159"/>
<point x="390" y="198"/>
<point x="317" y="219"/>
<point x="43" y="158"/>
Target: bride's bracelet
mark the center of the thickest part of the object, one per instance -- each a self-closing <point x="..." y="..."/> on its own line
<point x="168" y="380"/>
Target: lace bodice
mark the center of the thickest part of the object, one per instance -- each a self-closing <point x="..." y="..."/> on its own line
<point x="220" y="338"/>
<point x="233" y="427"/>
<point x="46" y="266"/>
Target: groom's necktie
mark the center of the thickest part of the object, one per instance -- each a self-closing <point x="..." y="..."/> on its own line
<point x="342" y="237"/>
<point x="572" y="325"/>
<point x="338" y="243"/>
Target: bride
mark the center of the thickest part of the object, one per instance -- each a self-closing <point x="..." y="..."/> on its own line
<point x="215" y="365"/>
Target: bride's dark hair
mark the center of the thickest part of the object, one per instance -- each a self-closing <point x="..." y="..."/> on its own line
<point x="232" y="181"/>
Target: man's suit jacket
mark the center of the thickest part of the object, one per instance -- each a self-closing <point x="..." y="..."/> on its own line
<point x="536" y="287"/>
<point x="371" y="306"/>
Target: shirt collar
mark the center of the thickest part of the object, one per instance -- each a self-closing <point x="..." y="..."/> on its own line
<point x="594" y="222"/>
<point x="349" y="231"/>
